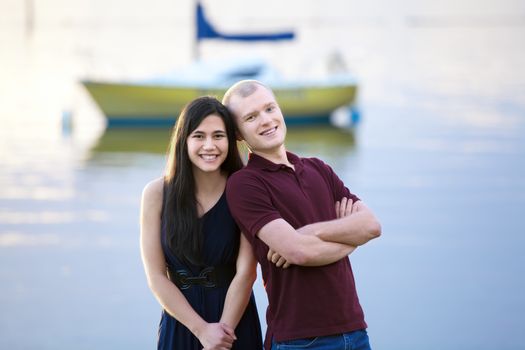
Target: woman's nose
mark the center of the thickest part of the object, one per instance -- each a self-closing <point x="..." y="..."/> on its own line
<point x="208" y="143"/>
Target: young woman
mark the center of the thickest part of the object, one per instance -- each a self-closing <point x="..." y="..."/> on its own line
<point x="198" y="265"/>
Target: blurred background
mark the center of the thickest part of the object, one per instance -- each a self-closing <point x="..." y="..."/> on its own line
<point x="439" y="155"/>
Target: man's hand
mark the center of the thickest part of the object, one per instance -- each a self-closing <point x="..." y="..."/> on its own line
<point x="216" y="336"/>
<point x="344" y="207"/>
<point x="276" y="259"/>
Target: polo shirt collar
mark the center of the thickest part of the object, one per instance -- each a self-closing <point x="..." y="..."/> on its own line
<point x="259" y="162"/>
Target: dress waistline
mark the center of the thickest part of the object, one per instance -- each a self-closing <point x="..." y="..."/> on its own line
<point x="209" y="277"/>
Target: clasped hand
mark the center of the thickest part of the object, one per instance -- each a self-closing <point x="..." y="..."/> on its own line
<point x="217" y="336"/>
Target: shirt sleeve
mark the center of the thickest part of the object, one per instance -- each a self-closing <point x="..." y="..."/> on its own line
<point x="338" y="187"/>
<point x="250" y="203"/>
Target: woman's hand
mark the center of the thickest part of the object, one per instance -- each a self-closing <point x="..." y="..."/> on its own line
<point x="216" y="336"/>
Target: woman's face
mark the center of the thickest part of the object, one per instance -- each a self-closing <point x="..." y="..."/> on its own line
<point x="208" y="144"/>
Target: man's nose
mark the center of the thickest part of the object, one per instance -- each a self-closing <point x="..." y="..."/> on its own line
<point x="265" y="118"/>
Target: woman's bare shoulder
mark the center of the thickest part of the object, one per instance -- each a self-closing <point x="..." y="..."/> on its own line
<point x="153" y="190"/>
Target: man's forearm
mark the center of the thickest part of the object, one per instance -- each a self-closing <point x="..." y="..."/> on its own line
<point x="354" y="230"/>
<point x="301" y="249"/>
<point x="327" y="253"/>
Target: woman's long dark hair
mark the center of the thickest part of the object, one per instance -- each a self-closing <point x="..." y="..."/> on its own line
<point x="179" y="210"/>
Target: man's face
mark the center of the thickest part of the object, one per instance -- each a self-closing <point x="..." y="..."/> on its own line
<point x="259" y="120"/>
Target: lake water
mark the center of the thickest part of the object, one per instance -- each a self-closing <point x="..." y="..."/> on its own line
<point x="439" y="156"/>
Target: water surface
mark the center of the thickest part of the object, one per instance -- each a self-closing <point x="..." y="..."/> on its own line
<point x="439" y="156"/>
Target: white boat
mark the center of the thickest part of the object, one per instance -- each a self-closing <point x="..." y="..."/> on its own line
<point x="158" y="102"/>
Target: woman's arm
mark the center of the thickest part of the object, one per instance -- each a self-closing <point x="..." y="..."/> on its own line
<point x="240" y="288"/>
<point x="211" y="335"/>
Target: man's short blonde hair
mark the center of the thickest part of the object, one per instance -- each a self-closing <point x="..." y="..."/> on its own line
<point x="243" y="88"/>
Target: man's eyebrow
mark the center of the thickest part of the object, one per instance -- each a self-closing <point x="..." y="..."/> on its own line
<point x="254" y="112"/>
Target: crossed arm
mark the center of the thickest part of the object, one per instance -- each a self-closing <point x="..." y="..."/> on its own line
<point x="216" y="336"/>
<point x="323" y="242"/>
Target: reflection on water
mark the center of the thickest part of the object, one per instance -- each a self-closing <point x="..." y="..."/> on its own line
<point x="299" y="139"/>
<point x="133" y="140"/>
<point x="320" y="140"/>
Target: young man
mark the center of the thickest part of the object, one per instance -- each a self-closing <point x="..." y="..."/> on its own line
<point x="284" y="204"/>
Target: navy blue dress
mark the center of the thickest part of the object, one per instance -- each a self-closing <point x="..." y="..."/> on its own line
<point x="220" y="247"/>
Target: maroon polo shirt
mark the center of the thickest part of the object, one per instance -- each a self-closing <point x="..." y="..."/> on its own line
<point x="303" y="301"/>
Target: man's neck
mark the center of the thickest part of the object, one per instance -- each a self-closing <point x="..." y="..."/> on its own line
<point x="277" y="156"/>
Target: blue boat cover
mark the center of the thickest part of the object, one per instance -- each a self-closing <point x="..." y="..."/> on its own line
<point x="206" y="31"/>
